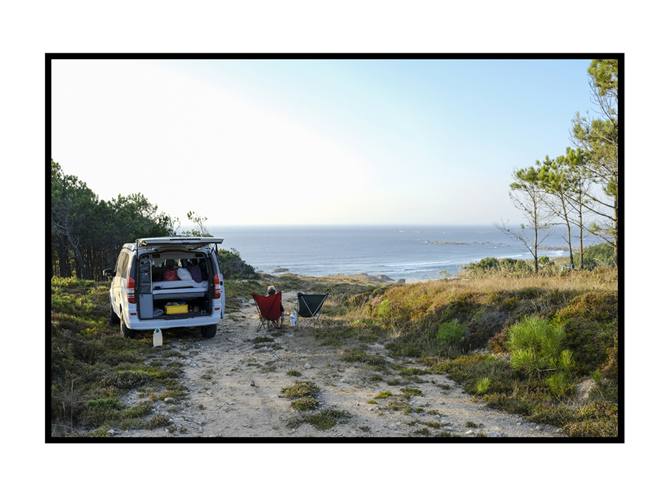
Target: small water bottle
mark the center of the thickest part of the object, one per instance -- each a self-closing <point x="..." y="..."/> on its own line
<point x="293" y="320"/>
<point x="157" y="338"/>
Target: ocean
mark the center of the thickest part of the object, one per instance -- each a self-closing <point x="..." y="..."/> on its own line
<point x="413" y="253"/>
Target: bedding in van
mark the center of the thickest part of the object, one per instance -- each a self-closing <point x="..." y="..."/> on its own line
<point x="179" y="284"/>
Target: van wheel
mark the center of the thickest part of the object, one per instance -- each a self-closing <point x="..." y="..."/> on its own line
<point x="113" y="318"/>
<point x="126" y="331"/>
<point x="208" y="331"/>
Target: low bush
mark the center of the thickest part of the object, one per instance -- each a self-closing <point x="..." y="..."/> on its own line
<point x="305" y="404"/>
<point x="561" y="384"/>
<point x="536" y="345"/>
<point x="233" y="267"/>
<point x="505" y="266"/>
<point x="595" y="256"/>
<point x="93" y="366"/>
<point x="451" y="331"/>
<point x="483" y="385"/>
<point x="301" y="389"/>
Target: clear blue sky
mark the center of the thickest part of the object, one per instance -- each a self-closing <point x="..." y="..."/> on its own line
<point x="278" y="141"/>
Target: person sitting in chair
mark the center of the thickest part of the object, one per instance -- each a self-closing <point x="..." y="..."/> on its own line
<point x="270" y="291"/>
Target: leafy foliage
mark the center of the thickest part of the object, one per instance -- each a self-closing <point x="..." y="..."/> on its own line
<point x="600" y="255"/>
<point x="451" y="331"/>
<point x="598" y="137"/>
<point x="233" y="267"/>
<point x="535" y="344"/>
<point x="508" y="266"/>
<point x="583" y="181"/>
<point x="87" y="233"/>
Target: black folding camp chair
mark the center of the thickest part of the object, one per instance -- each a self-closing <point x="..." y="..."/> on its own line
<point x="308" y="307"/>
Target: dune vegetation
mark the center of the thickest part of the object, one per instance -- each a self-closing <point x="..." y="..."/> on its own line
<point x="543" y="346"/>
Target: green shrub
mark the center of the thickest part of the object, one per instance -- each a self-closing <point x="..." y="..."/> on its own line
<point x="483" y="385"/>
<point x="488" y="263"/>
<point x="566" y="361"/>
<point x="305" y="404"/>
<point x="514" y="266"/>
<point x="304" y="389"/>
<point x="600" y="255"/>
<point x="561" y="384"/>
<point x="411" y="371"/>
<point x="104" y="403"/>
<point x="327" y="418"/>
<point x="410" y="391"/>
<point x="233" y="267"/>
<point x="510" y="266"/>
<point x="536" y="344"/>
<point x="70" y="282"/>
<point x="590" y="322"/>
<point x="383" y="309"/>
<point x="451" y="331"/>
<point x="125" y="379"/>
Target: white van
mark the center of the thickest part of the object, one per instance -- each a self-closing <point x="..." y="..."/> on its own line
<point x="167" y="283"/>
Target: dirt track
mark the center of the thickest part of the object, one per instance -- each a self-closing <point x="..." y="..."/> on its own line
<point x="235" y="391"/>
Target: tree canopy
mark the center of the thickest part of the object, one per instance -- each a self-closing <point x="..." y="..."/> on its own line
<point x="598" y="138"/>
<point x="584" y="181"/>
<point x="87" y="233"/>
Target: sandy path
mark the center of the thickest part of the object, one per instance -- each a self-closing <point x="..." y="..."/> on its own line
<point x="235" y="391"/>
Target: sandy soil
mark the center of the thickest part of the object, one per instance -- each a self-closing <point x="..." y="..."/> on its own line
<point x="235" y="391"/>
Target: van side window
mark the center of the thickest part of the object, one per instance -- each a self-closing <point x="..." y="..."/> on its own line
<point x="122" y="268"/>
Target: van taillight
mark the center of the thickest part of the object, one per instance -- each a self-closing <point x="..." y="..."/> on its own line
<point x="217" y="287"/>
<point x="131" y="290"/>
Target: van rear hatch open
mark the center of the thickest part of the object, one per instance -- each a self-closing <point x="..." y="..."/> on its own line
<point x="178" y="242"/>
<point x="158" y="295"/>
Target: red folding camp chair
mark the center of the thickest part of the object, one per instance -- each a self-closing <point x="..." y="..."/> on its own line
<point x="269" y="310"/>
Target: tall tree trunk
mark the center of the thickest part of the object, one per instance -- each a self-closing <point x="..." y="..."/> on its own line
<point x="63" y="257"/>
<point x="566" y="219"/>
<point x="536" y="247"/>
<point x="580" y="236"/>
<point x="80" y="258"/>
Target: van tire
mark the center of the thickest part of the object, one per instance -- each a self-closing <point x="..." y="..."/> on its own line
<point x="126" y="331"/>
<point x="208" y="331"/>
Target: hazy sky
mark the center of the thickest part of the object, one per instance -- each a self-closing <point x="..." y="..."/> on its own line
<point x="322" y="141"/>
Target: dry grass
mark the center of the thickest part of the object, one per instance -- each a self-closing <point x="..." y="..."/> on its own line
<point x="568" y="281"/>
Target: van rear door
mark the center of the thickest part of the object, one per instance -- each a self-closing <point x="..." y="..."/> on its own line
<point x="178" y="242"/>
